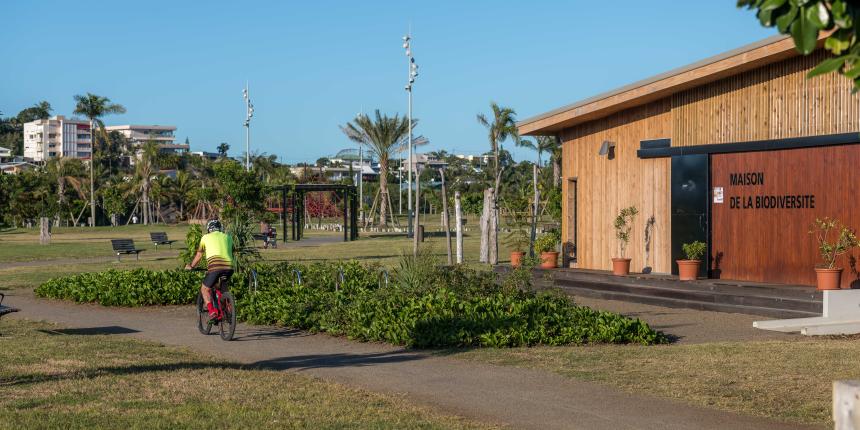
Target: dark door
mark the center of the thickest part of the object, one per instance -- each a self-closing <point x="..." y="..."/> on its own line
<point x="690" y="193"/>
<point x="569" y="246"/>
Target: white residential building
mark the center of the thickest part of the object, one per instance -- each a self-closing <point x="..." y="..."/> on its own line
<point x="5" y="153"/>
<point x="59" y="136"/>
<point x="140" y="134"/>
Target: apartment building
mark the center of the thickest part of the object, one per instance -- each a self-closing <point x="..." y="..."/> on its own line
<point x="58" y="136"/>
<point x="163" y="135"/>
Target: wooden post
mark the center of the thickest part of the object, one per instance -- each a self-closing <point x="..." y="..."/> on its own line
<point x="846" y="405"/>
<point x="485" y="226"/>
<point x="458" y="219"/>
<point x="445" y="218"/>
<point x="44" y="231"/>
<point x="534" y="211"/>
<point x="493" y="238"/>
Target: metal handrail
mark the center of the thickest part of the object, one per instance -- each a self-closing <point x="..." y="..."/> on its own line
<point x="383" y="274"/>
<point x="340" y="278"/>
<point x="298" y="274"/>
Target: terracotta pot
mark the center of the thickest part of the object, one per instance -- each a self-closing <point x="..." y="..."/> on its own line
<point x="548" y="260"/>
<point x="517" y="258"/>
<point x="620" y="266"/>
<point x="828" y="279"/>
<point x="688" y="270"/>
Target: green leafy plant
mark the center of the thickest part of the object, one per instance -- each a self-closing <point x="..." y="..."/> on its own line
<point x="694" y="250"/>
<point x="623" y="225"/>
<point x="518" y="238"/>
<point x="804" y="20"/>
<point x="192" y="241"/>
<point x="830" y="250"/>
<point x="456" y="307"/>
<point x="546" y="242"/>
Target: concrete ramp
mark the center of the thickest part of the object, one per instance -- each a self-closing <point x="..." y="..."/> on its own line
<point x="841" y="316"/>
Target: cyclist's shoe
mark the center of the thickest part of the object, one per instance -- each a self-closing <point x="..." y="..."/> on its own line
<point x="213" y="313"/>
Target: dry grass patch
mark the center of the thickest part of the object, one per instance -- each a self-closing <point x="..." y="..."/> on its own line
<point x="786" y="380"/>
<point x="52" y="380"/>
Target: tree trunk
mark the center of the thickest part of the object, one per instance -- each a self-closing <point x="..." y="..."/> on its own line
<point x="44" y="231"/>
<point x="458" y="218"/>
<point x="383" y="193"/>
<point x="556" y="171"/>
<point x="445" y="218"/>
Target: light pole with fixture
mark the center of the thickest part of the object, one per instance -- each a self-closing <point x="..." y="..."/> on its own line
<point x="249" y="112"/>
<point x="413" y="73"/>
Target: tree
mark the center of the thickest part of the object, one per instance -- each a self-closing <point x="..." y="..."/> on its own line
<point x="94" y="108"/>
<point x="804" y="20"/>
<point x="41" y="110"/>
<point x="541" y="144"/>
<point x="382" y="134"/>
<point x="145" y="168"/>
<point x="222" y="149"/>
<point x="501" y="128"/>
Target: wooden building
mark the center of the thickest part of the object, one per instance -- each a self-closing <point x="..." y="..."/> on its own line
<point x="740" y="151"/>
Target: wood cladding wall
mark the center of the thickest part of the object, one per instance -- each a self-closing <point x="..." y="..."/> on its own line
<point x="755" y="241"/>
<point x="771" y="102"/>
<point x="605" y="186"/>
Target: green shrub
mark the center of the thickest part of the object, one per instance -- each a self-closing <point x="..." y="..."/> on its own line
<point x="453" y="307"/>
<point x="694" y="250"/>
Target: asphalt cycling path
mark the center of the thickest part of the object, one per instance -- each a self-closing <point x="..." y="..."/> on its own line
<point x="520" y="398"/>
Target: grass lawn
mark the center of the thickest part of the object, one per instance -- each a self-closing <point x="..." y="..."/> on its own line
<point x="54" y="380"/>
<point x="786" y="380"/>
<point x="81" y="242"/>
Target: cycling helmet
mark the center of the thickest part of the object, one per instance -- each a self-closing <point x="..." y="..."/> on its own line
<point x="213" y="225"/>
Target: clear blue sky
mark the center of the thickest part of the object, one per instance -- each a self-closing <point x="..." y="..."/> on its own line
<point x="313" y="65"/>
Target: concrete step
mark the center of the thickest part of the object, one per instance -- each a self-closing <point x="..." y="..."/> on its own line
<point x="680" y="291"/>
<point x="594" y="291"/>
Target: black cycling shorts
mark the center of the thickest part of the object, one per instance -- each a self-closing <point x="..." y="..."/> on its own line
<point x="211" y="278"/>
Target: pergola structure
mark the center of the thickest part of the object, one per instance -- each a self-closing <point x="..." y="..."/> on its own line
<point x="296" y="193"/>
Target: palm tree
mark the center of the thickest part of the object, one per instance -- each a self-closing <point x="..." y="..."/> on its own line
<point x="222" y="149"/>
<point x="183" y="187"/>
<point x="94" y="108"/>
<point x="66" y="173"/>
<point x="382" y="134"/>
<point x="541" y="144"/>
<point x="145" y="168"/>
<point x="502" y="127"/>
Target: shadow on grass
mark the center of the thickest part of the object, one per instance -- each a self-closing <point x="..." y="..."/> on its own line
<point x="301" y="362"/>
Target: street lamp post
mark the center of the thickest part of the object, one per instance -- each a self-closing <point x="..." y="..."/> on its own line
<point x="249" y="112"/>
<point x="413" y="73"/>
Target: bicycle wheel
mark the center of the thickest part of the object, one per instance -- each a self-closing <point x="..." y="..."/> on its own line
<point x="228" y="324"/>
<point x="202" y="316"/>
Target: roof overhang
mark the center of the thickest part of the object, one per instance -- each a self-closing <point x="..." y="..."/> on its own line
<point x="730" y="63"/>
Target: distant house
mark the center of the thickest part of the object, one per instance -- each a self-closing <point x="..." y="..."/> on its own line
<point x="15" y="167"/>
<point x="5" y="154"/>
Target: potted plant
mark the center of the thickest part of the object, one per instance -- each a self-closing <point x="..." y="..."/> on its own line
<point x="623" y="225"/>
<point x="688" y="270"/>
<point x="545" y="245"/>
<point x="827" y="275"/>
<point x="518" y="240"/>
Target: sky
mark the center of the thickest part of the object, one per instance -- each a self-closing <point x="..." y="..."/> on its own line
<point x="314" y="65"/>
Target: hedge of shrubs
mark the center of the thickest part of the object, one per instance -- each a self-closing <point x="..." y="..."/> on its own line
<point x="453" y="307"/>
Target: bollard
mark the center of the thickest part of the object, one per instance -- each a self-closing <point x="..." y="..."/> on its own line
<point x="846" y="405"/>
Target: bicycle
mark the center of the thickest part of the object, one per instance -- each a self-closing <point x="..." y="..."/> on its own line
<point x="225" y="306"/>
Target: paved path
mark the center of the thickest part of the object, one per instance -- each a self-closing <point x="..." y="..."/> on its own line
<point x="521" y="398"/>
<point x="690" y="325"/>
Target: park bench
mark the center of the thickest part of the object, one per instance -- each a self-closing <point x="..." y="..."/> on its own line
<point x="5" y="309"/>
<point x="160" y="238"/>
<point x="273" y="240"/>
<point x="125" y="246"/>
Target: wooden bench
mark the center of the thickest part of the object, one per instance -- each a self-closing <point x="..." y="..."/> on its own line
<point x="160" y="238"/>
<point x="6" y="309"/>
<point x="125" y="246"/>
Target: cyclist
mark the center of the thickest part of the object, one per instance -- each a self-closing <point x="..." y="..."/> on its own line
<point x="219" y="260"/>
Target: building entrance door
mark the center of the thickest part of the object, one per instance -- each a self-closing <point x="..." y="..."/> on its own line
<point x="569" y="245"/>
<point x="690" y="188"/>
